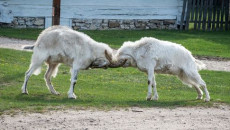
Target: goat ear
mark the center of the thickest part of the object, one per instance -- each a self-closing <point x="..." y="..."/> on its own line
<point x="108" y="56"/>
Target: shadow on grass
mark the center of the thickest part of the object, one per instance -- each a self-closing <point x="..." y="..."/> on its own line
<point x="10" y="78"/>
<point x="52" y="100"/>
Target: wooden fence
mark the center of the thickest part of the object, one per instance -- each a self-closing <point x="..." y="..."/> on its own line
<point x="205" y="15"/>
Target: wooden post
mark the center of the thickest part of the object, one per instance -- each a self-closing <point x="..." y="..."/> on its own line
<point x="229" y="11"/>
<point x="182" y="15"/>
<point x="214" y="15"/>
<point x="200" y="13"/>
<point x="56" y="12"/>
<point x="210" y="6"/>
<point x="226" y="14"/>
<point x="205" y="14"/>
<point x="188" y="14"/>
<point x="222" y="15"/>
<point x="218" y="16"/>
<point x="193" y="10"/>
<point x="197" y="13"/>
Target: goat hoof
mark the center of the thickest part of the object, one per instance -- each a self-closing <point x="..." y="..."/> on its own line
<point x="148" y="99"/>
<point x="151" y="99"/>
<point x="72" y="96"/>
<point x="206" y="99"/>
<point x="25" y="92"/>
<point x="199" y="98"/>
<point x="55" y="93"/>
<point x="155" y="98"/>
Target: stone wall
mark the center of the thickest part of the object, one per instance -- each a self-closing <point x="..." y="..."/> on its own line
<point x="96" y="24"/>
<point x="120" y="24"/>
<point x="26" y="22"/>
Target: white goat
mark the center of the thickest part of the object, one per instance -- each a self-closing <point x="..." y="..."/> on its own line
<point x="60" y="44"/>
<point x="152" y="55"/>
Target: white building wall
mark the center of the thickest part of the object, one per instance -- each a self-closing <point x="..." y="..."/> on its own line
<point x="91" y="9"/>
<point x="25" y="8"/>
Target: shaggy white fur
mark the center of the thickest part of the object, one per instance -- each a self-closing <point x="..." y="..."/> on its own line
<point x="152" y="55"/>
<point x="59" y="44"/>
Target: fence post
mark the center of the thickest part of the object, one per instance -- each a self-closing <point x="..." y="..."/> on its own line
<point x="182" y="15"/>
<point x="56" y="12"/>
<point x="214" y="15"/>
<point x="188" y="14"/>
<point x="196" y="15"/>
<point x="218" y="16"/>
<point x="227" y="14"/>
<point x="222" y="15"/>
<point x="205" y="14"/>
<point x="229" y="11"/>
<point x="210" y="6"/>
<point x="200" y="13"/>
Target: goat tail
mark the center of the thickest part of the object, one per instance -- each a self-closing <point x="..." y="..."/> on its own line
<point x="29" y="47"/>
<point x="200" y="65"/>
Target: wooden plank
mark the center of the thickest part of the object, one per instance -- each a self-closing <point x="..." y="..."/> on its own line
<point x="182" y="15"/>
<point x="205" y="14"/>
<point x="226" y="14"/>
<point x="196" y="13"/>
<point x="48" y="22"/>
<point x="31" y="11"/>
<point x="96" y="9"/>
<point x="218" y="15"/>
<point x="210" y="6"/>
<point x="222" y="15"/>
<point x="101" y="12"/>
<point x="200" y="13"/>
<point x="193" y="10"/>
<point x="188" y="14"/>
<point x="27" y="2"/>
<point x="214" y="14"/>
<point x="6" y="15"/>
<point x="124" y="3"/>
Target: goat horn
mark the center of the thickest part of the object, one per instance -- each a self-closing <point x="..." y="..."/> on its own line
<point x="109" y="57"/>
<point x="112" y="64"/>
<point x="117" y="65"/>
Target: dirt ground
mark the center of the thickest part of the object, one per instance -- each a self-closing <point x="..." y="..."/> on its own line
<point x="124" y="119"/>
<point x="197" y="118"/>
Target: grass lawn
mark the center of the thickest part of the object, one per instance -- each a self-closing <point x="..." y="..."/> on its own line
<point x="99" y="88"/>
<point x="112" y="87"/>
<point x="200" y="43"/>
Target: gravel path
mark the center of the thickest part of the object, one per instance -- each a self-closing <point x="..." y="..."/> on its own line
<point x="125" y="119"/>
<point x="13" y="43"/>
<point x="195" y="118"/>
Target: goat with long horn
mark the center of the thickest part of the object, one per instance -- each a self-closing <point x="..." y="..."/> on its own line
<point x="59" y="44"/>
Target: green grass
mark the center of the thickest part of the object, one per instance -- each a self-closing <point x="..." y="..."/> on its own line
<point x="30" y="34"/>
<point x="112" y="87"/>
<point x="98" y="88"/>
<point x="198" y="42"/>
